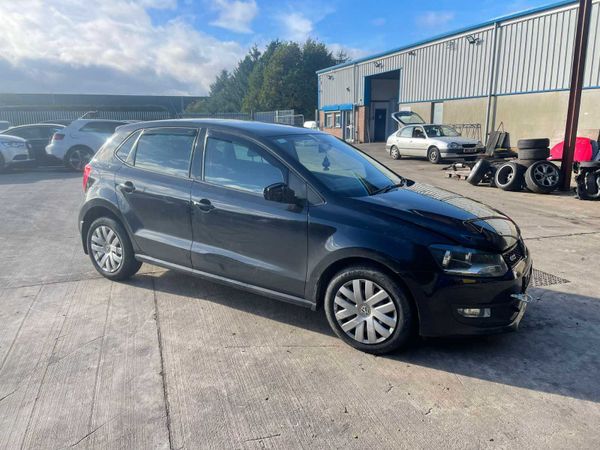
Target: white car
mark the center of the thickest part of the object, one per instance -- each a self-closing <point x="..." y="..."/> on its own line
<point x="14" y="152"/>
<point x="311" y="124"/>
<point x="434" y="142"/>
<point x="76" y="144"/>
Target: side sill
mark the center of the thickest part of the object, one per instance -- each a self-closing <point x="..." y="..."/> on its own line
<point x="229" y="282"/>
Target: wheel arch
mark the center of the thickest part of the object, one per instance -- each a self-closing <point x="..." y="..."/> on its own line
<point x="325" y="276"/>
<point x="95" y="210"/>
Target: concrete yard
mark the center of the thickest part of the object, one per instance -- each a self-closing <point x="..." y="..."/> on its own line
<point x="169" y="361"/>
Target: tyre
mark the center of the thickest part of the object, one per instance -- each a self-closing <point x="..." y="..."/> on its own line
<point x="2" y="164"/>
<point x="478" y="172"/>
<point x="533" y="143"/>
<point x="77" y="157"/>
<point x="534" y="154"/>
<point x="394" y="152"/>
<point x="509" y="177"/>
<point x="542" y="177"/>
<point x="368" y="310"/>
<point x="433" y="155"/>
<point x="110" y="250"/>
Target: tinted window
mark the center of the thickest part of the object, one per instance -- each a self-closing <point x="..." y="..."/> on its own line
<point x="240" y="165"/>
<point x="101" y="127"/>
<point x="38" y="132"/>
<point x="406" y="132"/>
<point x="124" y="152"/>
<point x="166" y="150"/>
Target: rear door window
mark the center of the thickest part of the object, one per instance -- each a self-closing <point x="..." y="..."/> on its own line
<point x="165" y="150"/>
<point x="405" y="132"/>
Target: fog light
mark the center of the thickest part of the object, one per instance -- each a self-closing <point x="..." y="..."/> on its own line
<point x="475" y="312"/>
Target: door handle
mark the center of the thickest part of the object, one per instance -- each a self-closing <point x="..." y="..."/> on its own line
<point x="203" y="205"/>
<point x="127" y="186"/>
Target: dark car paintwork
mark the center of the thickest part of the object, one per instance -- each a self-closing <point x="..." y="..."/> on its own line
<point x="288" y="251"/>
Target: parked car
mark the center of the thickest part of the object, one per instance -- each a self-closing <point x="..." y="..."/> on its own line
<point x="305" y="218"/>
<point x="434" y="142"/>
<point x="39" y="136"/>
<point x="14" y="152"/>
<point x="77" y="143"/>
<point x="311" y="124"/>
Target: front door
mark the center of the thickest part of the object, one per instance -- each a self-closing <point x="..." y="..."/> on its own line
<point x="380" y="124"/>
<point x="153" y="189"/>
<point x="237" y="233"/>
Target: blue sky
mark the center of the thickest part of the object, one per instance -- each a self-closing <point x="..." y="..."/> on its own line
<point x="178" y="46"/>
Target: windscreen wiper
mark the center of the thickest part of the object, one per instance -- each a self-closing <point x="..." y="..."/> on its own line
<point x="389" y="187"/>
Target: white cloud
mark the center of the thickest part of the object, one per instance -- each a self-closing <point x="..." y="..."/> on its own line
<point x="113" y="47"/>
<point x="296" y="26"/>
<point x="434" y="19"/>
<point x="235" y="15"/>
<point x="353" y="53"/>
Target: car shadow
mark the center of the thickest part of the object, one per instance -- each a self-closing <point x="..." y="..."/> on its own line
<point x="554" y="351"/>
<point x="34" y="175"/>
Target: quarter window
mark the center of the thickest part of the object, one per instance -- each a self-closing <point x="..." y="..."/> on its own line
<point x="124" y="153"/>
<point x="240" y="165"/>
<point x="165" y="150"/>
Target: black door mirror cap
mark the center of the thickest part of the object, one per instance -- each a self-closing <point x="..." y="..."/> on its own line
<point x="281" y="193"/>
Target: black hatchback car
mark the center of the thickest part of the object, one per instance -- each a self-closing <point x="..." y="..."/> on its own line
<point x="300" y="216"/>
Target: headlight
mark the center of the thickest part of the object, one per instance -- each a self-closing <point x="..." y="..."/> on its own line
<point x="10" y="144"/>
<point x="453" y="146"/>
<point x="469" y="262"/>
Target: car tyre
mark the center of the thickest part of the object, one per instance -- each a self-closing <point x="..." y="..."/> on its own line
<point x="478" y="172"/>
<point x="533" y="154"/>
<point x="542" y="177"/>
<point x="2" y="164"/>
<point x="110" y="250"/>
<point x="368" y="310"/>
<point x="533" y="143"/>
<point x="433" y="155"/>
<point x="394" y="152"/>
<point x="509" y="177"/>
<point x="77" y="157"/>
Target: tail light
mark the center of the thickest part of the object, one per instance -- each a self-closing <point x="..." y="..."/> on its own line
<point x="58" y="137"/>
<point x="86" y="174"/>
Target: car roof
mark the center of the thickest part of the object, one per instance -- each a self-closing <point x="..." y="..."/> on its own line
<point x="245" y="126"/>
<point x="31" y="125"/>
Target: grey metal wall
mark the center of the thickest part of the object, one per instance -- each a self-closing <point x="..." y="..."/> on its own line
<point x="533" y="54"/>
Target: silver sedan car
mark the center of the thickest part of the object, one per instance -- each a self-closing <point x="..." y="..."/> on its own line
<point x="434" y="142"/>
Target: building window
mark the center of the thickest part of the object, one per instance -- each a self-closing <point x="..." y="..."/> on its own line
<point x="328" y="120"/>
<point x="338" y="120"/>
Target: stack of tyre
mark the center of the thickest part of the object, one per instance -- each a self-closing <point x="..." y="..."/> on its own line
<point x="531" y="170"/>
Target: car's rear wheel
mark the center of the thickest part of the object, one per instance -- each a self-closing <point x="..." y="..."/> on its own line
<point x="433" y="155"/>
<point x="368" y="310"/>
<point x="394" y="152"/>
<point x="78" y="157"/>
<point x="110" y="250"/>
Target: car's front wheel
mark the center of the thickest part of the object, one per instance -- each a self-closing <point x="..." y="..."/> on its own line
<point x="110" y="249"/>
<point x="433" y="155"/>
<point x="368" y="310"/>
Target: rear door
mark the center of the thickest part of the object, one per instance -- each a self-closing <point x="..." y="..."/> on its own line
<point x="237" y="233"/>
<point x="403" y="138"/>
<point x="419" y="144"/>
<point x="153" y="187"/>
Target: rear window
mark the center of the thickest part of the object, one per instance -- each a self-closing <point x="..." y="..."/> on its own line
<point x="101" y="127"/>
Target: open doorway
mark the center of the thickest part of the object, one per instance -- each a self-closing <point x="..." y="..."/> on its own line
<point x="382" y="96"/>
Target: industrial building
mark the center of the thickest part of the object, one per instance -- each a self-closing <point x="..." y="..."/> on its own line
<point x="511" y="72"/>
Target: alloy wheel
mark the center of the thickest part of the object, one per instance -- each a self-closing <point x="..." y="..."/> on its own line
<point x="546" y="175"/>
<point x="78" y="158"/>
<point x="107" y="249"/>
<point x="365" y="311"/>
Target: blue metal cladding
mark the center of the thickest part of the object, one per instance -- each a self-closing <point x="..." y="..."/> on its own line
<point x="533" y="54"/>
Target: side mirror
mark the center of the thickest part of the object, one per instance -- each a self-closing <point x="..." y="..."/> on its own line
<point x="280" y="193"/>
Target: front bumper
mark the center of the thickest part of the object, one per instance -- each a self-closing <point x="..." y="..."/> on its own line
<point x="460" y="154"/>
<point x="439" y="303"/>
